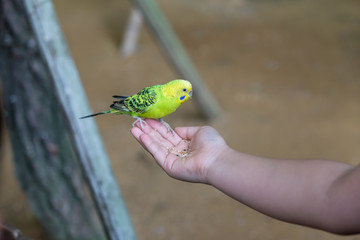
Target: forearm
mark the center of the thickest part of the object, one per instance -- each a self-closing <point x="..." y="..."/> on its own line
<point x="291" y="190"/>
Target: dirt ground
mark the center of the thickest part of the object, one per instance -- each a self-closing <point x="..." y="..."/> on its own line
<point x="285" y="73"/>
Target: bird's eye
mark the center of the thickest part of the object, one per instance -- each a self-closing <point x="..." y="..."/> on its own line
<point x="184" y="90"/>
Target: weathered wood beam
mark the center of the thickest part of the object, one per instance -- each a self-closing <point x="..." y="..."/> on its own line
<point x="43" y="101"/>
<point x="44" y="156"/>
<point x="177" y="56"/>
<point x="132" y="32"/>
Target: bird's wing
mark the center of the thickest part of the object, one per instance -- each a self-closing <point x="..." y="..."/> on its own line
<point x="119" y="105"/>
<point x="140" y="102"/>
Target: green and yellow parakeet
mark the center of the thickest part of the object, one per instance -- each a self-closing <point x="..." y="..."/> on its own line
<point x="152" y="102"/>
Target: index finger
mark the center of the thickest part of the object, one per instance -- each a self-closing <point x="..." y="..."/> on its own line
<point x="175" y="139"/>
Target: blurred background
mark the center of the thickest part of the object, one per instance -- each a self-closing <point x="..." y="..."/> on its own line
<point x="285" y="73"/>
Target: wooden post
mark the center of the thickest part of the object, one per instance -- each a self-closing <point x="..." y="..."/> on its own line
<point x="1" y="129"/>
<point x="132" y="31"/>
<point x="43" y="99"/>
<point x="177" y="55"/>
<point x="44" y="156"/>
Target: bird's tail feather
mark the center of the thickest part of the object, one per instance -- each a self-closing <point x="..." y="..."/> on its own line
<point x="120" y="97"/>
<point x="93" y="115"/>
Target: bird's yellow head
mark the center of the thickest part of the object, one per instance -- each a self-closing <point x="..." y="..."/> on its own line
<point x="178" y="89"/>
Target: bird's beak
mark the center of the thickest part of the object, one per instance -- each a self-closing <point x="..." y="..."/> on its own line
<point x="190" y="94"/>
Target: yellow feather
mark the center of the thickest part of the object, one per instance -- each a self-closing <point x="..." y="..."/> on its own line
<point x="169" y="98"/>
<point x="152" y="102"/>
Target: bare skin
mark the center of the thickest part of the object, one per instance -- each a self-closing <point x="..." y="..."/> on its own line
<point x="321" y="194"/>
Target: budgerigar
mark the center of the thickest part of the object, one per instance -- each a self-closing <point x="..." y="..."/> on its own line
<point x="152" y="102"/>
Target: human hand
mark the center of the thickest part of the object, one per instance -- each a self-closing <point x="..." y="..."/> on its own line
<point x="186" y="155"/>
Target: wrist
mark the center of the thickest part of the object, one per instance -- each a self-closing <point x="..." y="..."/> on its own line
<point x="216" y="164"/>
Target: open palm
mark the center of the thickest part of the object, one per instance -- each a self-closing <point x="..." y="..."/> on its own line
<point x="186" y="154"/>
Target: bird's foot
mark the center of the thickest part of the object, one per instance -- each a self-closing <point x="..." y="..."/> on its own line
<point x="167" y="126"/>
<point x="138" y="119"/>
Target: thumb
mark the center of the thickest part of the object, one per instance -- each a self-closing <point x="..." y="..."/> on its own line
<point x="186" y="132"/>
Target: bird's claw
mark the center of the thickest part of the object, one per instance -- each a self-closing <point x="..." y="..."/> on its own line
<point x="167" y="126"/>
<point x="138" y="119"/>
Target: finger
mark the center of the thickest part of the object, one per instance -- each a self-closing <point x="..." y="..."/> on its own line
<point x="164" y="132"/>
<point x="136" y="132"/>
<point x="155" y="149"/>
<point x="156" y="136"/>
<point x="186" y="132"/>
